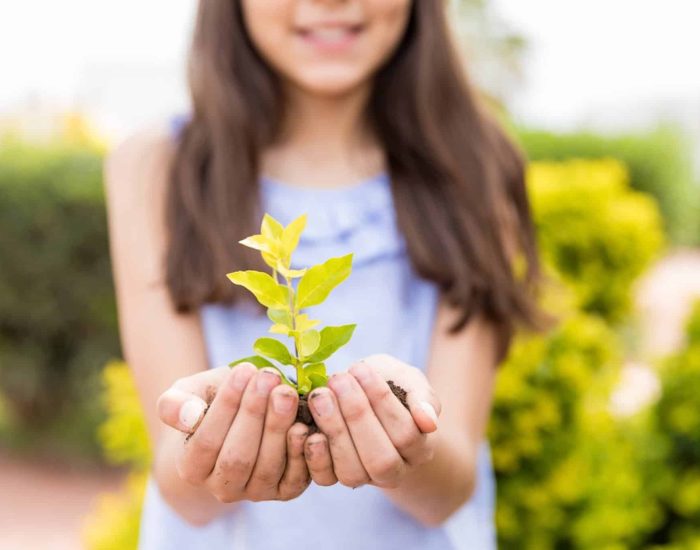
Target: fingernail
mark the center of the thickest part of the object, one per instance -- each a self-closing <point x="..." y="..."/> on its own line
<point x="340" y="384"/>
<point x="267" y="379"/>
<point x="322" y="403"/>
<point x="241" y="377"/>
<point x="282" y="403"/>
<point x="361" y="372"/>
<point x="429" y="410"/>
<point x="191" y="412"/>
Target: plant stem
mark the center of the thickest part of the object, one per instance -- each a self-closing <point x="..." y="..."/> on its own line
<point x="292" y="308"/>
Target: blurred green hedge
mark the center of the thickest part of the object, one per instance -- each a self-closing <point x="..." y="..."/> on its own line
<point x="659" y="162"/>
<point x="671" y="448"/>
<point x="57" y="312"/>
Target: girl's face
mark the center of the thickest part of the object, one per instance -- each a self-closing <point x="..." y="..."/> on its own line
<point x="326" y="47"/>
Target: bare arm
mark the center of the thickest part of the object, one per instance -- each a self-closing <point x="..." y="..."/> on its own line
<point x="369" y="437"/>
<point x="461" y="371"/>
<point x="159" y="345"/>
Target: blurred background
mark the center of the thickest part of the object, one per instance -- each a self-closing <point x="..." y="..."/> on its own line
<point x="596" y="426"/>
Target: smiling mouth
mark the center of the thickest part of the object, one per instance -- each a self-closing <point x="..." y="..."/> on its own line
<point x="331" y="35"/>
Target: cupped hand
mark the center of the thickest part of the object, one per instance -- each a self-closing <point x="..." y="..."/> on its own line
<point x="246" y="446"/>
<point x="367" y="435"/>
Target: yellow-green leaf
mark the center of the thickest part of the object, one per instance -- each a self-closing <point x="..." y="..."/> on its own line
<point x="291" y="234"/>
<point x="315" y="368"/>
<point x="332" y="339"/>
<point x="317" y="381"/>
<point x="261" y="362"/>
<point x="271" y="227"/>
<point x="280" y="316"/>
<point x="274" y="349"/>
<point x="266" y="290"/>
<point x="290" y="273"/>
<point x="316" y="285"/>
<point x="279" y="329"/>
<point x="303" y="322"/>
<point x="261" y="243"/>
<point x="309" y="341"/>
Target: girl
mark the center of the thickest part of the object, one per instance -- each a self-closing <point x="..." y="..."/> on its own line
<point x="357" y="113"/>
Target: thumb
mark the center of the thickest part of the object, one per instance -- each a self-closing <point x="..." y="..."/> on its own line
<point x="181" y="410"/>
<point x="425" y="409"/>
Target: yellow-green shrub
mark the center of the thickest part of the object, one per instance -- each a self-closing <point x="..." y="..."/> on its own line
<point x="114" y="524"/>
<point x="673" y="472"/>
<point x="596" y="232"/>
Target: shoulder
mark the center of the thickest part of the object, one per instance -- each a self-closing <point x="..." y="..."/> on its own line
<point x="140" y="161"/>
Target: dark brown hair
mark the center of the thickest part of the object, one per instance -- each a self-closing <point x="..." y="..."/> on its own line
<point x="457" y="180"/>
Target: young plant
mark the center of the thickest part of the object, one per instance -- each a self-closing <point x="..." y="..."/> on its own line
<point x="285" y="305"/>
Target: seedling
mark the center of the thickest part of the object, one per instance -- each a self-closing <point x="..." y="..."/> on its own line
<point x="286" y="305"/>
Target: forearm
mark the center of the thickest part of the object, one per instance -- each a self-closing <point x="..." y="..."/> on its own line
<point x="432" y="492"/>
<point x="195" y="504"/>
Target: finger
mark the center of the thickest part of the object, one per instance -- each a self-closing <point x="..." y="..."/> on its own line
<point x="421" y="399"/>
<point x="182" y="406"/>
<point x="296" y="475"/>
<point x="240" y="448"/>
<point x="377" y="453"/>
<point x="396" y="420"/>
<point x="319" y="461"/>
<point x="346" y="462"/>
<point x="270" y="463"/>
<point x="202" y="448"/>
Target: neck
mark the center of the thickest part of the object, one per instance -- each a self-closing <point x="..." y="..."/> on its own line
<point x="327" y="133"/>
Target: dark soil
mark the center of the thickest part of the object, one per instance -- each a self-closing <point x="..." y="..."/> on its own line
<point x="304" y="413"/>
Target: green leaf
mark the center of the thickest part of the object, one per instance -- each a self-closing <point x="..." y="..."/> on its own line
<point x="290" y="273"/>
<point x="309" y="341"/>
<point x="261" y="362"/>
<point x="266" y="290"/>
<point x="271" y="228"/>
<point x="261" y="243"/>
<point x="274" y="349"/>
<point x="279" y="329"/>
<point x="291" y="234"/>
<point x="332" y="339"/>
<point x="315" y="368"/>
<point x="316" y="285"/>
<point x="317" y="381"/>
<point x="303" y="322"/>
<point x="280" y="316"/>
<point x="304" y="385"/>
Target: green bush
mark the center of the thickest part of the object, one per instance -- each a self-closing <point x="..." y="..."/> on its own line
<point x="114" y="524"/>
<point x="57" y="313"/>
<point x="660" y="163"/>
<point x="673" y="471"/>
<point x="567" y="473"/>
<point x="596" y="232"/>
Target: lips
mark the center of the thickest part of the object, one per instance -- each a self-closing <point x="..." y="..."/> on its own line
<point x="330" y="36"/>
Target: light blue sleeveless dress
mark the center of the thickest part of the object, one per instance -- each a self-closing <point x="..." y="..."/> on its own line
<point x="394" y="310"/>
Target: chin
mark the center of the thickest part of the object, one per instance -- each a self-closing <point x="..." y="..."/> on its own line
<point x="331" y="84"/>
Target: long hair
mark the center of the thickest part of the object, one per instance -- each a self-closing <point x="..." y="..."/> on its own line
<point x="457" y="180"/>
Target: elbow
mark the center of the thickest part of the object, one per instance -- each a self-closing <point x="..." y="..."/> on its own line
<point x="438" y="513"/>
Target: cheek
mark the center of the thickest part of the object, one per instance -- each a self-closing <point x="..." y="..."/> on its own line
<point x="268" y="23"/>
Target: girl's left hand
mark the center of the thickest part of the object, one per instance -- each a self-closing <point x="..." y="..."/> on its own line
<point x="367" y="435"/>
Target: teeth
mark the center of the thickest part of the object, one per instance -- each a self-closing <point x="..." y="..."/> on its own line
<point x="330" y="35"/>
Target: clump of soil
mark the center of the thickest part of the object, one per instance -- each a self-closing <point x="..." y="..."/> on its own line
<point x="304" y="413"/>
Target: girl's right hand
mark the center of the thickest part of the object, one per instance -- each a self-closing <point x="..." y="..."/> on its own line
<point x="246" y="446"/>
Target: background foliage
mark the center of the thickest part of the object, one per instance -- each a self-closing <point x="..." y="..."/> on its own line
<point x="659" y="163"/>
<point x="570" y="474"/>
<point x="57" y="313"/>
